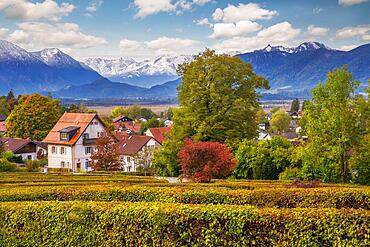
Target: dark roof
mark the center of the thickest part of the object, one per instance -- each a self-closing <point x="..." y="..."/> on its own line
<point x="69" y="129"/>
<point x="122" y="119"/>
<point x="3" y="117"/>
<point x="41" y="144"/>
<point x="133" y="144"/>
<point x="14" y="144"/>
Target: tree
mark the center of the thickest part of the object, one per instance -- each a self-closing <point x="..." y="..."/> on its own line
<point x="203" y="161"/>
<point x="33" y="117"/>
<point x="80" y="108"/>
<point x="295" y="105"/>
<point x="280" y="121"/>
<point x="151" y="123"/>
<point x="106" y="156"/>
<point x="144" y="159"/>
<point x="4" y="107"/>
<point x="134" y="112"/>
<point x="218" y="93"/>
<point x="264" y="159"/>
<point x="304" y="104"/>
<point x="11" y="100"/>
<point x="332" y="126"/>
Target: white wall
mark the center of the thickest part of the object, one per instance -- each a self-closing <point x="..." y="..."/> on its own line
<point x="55" y="159"/>
<point x="25" y="156"/>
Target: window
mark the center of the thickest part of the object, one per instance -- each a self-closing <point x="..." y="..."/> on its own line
<point x="87" y="150"/>
<point x="64" y="136"/>
<point x="62" y="164"/>
<point x="128" y="159"/>
<point x="62" y="150"/>
<point x="53" y="150"/>
<point x="85" y="136"/>
<point x="87" y="164"/>
<point x="101" y="134"/>
<point x="29" y="157"/>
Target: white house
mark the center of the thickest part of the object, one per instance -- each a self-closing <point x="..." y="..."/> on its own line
<point x="72" y="140"/>
<point x="133" y="145"/>
<point x="25" y="148"/>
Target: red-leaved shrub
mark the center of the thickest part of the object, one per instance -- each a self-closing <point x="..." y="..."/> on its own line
<point x="203" y="161"/>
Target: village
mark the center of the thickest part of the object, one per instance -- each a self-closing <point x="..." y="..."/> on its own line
<point x="69" y="145"/>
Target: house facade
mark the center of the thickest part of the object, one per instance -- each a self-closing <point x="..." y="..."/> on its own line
<point x="72" y="141"/>
<point x="24" y="148"/>
<point x="159" y="134"/>
<point x="131" y="147"/>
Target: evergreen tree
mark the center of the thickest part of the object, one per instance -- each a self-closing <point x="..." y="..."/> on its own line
<point x="294" y="106"/>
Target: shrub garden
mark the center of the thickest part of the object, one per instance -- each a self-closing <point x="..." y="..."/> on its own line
<point x="117" y="210"/>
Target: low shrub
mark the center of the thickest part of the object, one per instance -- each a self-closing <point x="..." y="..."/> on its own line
<point x="7" y="166"/>
<point x="291" y="173"/>
<point x="35" y="165"/>
<point x="161" y="224"/>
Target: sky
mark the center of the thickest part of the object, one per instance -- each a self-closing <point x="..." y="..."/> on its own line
<point x="143" y="29"/>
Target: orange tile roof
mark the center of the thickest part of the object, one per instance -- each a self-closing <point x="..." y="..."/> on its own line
<point x="81" y="120"/>
<point x="159" y="133"/>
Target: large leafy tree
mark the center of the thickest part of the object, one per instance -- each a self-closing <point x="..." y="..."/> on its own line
<point x="280" y="121"/>
<point x="331" y="123"/>
<point x="218" y="95"/>
<point x="33" y="117"/>
<point x="134" y="112"/>
<point x="106" y="156"/>
<point x="218" y="102"/>
<point x="294" y="107"/>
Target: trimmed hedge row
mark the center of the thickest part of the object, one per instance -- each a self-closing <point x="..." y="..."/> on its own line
<point x="162" y="224"/>
<point x="281" y="198"/>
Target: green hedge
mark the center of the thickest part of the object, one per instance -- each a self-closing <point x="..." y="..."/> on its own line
<point x="162" y="224"/>
<point x="281" y="198"/>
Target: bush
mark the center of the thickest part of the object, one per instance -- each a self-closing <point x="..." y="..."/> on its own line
<point x="35" y="165"/>
<point x="291" y="173"/>
<point x="7" y="166"/>
<point x="163" y="224"/>
<point x="203" y="161"/>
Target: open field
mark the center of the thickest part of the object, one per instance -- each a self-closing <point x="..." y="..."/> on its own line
<point x="118" y="210"/>
<point x="106" y="110"/>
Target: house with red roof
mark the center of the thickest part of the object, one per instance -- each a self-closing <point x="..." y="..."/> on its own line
<point x="158" y="133"/>
<point x="24" y="148"/>
<point x="124" y="123"/>
<point x="132" y="146"/>
<point x="72" y="141"/>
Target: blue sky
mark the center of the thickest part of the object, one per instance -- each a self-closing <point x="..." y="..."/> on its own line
<point x="147" y="28"/>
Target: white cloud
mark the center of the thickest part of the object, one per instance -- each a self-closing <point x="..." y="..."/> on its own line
<point x="153" y="7"/>
<point x="279" y="34"/>
<point x="203" y="22"/>
<point x="317" y="10"/>
<point x="29" y="11"/>
<point x="166" y="45"/>
<point x="347" y="47"/>
<point x="250" y="11"/>
<point x="362" y="31"/>
<point x="350" y="2"/>
<point x="316" y="31"/>
<point x="3" y="31"/>
<point x="127" y="44"/>
<point x="240" y="28"/>
<point x="201" y="2"/>
<point x="94" y="5"/>
<point x="37" y="34"/>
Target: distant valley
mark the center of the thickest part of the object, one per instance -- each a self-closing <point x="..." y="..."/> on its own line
<point x="292" y="72"/>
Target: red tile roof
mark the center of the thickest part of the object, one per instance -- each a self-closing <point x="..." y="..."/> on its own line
<point x="159" y="133"/>
<point x="133" y="144"/>
<point x="81" y="120"/>
<point x="14" y="144"/>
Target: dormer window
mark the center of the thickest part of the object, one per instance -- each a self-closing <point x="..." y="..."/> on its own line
<point x="66" y="134"/>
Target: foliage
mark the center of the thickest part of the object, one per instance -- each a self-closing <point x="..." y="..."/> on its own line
<point x="264" y="159"/>
<point x="219" y="98"/>
<point x="332" y="126"/>
<point x="261" y="116"/>
<point x="280" y="121"/>
<point x="304" y="104"/>
<point x="291" y="173"/>
<point x="108" y="122"/>
<point x="144" y="159"/>
<point x="153" y="224"/>
<point x="11" y="100"/>
<point x="106" y="156"/>
<point x="7" y="166"/>
<point x="151" y="123"/>
<point x="80" y="108"/>
<point x="203" y="161"/>
<point x="35" y="165"/>
<point x="33" y="117"/>
<point x="4" y="107"/>
<point x="294" y="107"/>
<point x="133" y="112"/>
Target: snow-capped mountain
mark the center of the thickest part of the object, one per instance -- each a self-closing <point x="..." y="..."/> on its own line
<point x="46" y="70"/>
<point x="306" y="46"/>
<point x="142" y="73"/>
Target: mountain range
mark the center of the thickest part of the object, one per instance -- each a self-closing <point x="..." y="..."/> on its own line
<point x="290" y="71"/>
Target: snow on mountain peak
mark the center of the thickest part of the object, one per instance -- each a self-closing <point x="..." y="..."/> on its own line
<point x="53" y="56"/>
<point x="306" y="46"/>
<point x="128" y="67"/>
<point x="11" y="51"/>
